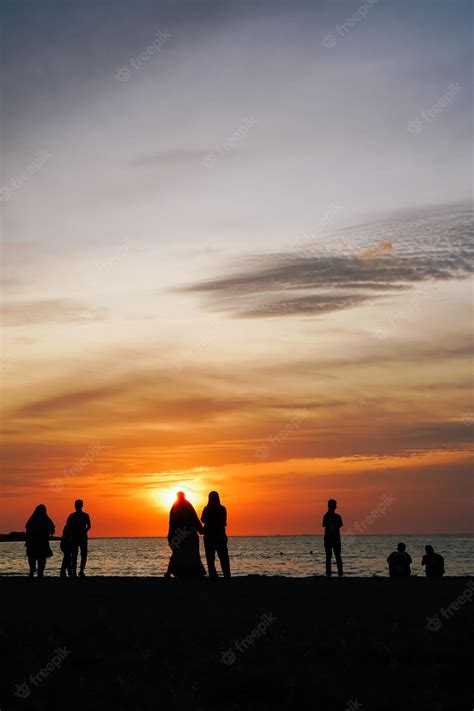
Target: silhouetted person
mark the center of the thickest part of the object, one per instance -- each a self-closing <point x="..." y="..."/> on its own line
<point x="78" y="524"/>
<point x="434" y="563"/>
<point x="66" y="547"/>
<point x="183" y="539"/>
<point x="39" y="529"/>
<point x="332" y="524"/>
<point x="399" y="562"/>
<point x="214" y="518"/>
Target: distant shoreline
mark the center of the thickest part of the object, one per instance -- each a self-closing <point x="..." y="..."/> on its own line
<point x="21" y="537"/>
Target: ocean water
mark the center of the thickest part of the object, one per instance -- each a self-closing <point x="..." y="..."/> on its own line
<point x="261" y="555"/>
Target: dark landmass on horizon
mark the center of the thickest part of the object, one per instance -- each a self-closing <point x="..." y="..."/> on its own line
<point x="143" y="643"/>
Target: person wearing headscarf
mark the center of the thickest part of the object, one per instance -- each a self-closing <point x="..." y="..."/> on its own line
<point x="39" y="529"/>
<point x="183" y="539"/>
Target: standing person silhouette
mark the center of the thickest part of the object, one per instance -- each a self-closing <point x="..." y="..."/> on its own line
<point x="332" y="524"/>
<point x="39" y="528"/>
<point x="183" y="539"/>
<point x="78" y="524"/>
<point x="399" y="562"/>
<point x="434" y="563"/>
<point x="214" y="518"/>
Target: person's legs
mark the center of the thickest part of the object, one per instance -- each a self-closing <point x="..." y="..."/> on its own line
<point x="32" y="564"/>
<point x="337" y="553"/>
<point x="74" y="552"/>
<point x="64" y="565"/>
<point x="328" y="549"/>
<point x="41" y="567"/>
<point x="210" y="549"/>
<point x="223" y="554"/>
<point x="83" y="546"/>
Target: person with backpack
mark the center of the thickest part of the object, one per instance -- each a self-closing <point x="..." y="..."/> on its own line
<point x="66" y="548"/>
<point x="433" y="562"/>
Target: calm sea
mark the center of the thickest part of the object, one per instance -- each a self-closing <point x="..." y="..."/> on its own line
<point x="262" y="555"/>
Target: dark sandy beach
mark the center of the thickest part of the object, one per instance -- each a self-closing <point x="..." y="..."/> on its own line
<point x="126" y="643"/>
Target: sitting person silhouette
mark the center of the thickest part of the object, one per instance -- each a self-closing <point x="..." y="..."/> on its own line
<point x="399" y="562"/>
<point x="434" y="563"/>
<point x="183" y="539"/>
<point x="332" y="524"/>
<point x="39" y="529"/>
<point x="78" y="524"/>
<point x="66" y="547"/>
<point x="214" y="518"/>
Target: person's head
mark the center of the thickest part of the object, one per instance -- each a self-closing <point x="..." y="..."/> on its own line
<point x="401" y="547"/>
<point x="78" y="504"/>
<point x="429" y="550"/>
<point x="332" y="504"/>
<point x="180" y="496"/>
<point x="214" y="499"/>
<point x="40" y="510"/>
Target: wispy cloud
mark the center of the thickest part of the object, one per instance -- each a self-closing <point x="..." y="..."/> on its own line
<point x="421" y="250"/>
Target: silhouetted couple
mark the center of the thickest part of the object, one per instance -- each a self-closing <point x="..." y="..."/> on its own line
<point x="40" y="528"/>
<point x="183" y="538"/>
<point x="399" y="563"/>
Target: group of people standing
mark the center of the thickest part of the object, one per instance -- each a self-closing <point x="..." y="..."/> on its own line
<point x="40" y="528"/>
<point x="183" y="537"/>
<point x="399" y="561"/>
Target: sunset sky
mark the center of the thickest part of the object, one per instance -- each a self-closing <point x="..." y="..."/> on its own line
<point x="237" y="247"/>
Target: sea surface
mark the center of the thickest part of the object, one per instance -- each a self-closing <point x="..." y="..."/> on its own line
<point x="256" y="555"/>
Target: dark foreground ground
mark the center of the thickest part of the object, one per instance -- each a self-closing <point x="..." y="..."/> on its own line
<point x="128" y="643"/>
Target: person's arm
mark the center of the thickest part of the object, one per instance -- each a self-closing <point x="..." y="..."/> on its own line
<point x="224" y="516"/>
<point x="88" y="523"/>
<point x="204" y="515"/>
<point x="340" y="522"/>
<point x="324" y="521"/>
<point x="52" y="528"/>
<point x="389" y="559"/>
<point x="409" y="559"/>
<point x="423" y="560"/>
